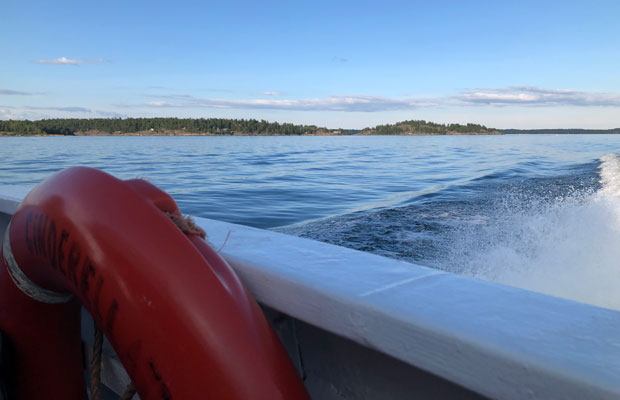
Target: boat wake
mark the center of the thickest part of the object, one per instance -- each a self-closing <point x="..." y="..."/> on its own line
<point x="553" y="233"/>
<point x="567" y="247"/>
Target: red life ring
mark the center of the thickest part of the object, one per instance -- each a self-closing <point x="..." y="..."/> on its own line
<point x="181" y="322"/>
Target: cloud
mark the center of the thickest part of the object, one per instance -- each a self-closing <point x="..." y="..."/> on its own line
<point x="67" y="61"/>
<point x="270" y="93"/>
<point x="354" y="103"/>
<point x="6" y="113"/>
<point x="9" y="92"/>
<point x="45" y="112"/>
<point x="110" y="114"/>
<point x="176" y="96"/>
<point x="67" y="109"/>
<point x="535" y="96"/>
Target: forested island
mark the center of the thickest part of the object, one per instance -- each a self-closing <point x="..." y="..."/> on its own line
<point x="421" y="127"/>
<point x="154" y="126"/>
<point x="221" y="126"/>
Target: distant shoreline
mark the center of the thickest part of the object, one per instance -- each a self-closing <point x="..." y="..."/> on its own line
<point x="496" y="133"/>
<point x="159" y="126"/>
<point x="9" y="134"/>
<point x="117" y="134"/>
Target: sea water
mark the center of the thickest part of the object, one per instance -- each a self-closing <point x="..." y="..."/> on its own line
<point x="541" y="212"/>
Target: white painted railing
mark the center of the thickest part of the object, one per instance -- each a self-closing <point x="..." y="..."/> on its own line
<point x="498" y="341"/>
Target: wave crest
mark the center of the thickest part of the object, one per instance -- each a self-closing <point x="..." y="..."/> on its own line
<point x="567" y="246"/>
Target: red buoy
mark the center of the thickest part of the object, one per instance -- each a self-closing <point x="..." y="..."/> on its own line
<point x="181" y="322"/>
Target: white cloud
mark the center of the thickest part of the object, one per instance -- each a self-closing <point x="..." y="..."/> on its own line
<point x="109" y="114"/>
<point x="535" y="96"/>
<point x="160" y="104"/>
<point x="353" y="103"/>
<point x="67" y="61"/>
<point x="5" y="113"/>
<point x="15" y="113"/>
<point x="33" y="113"/>
<point x="530" y="96"/>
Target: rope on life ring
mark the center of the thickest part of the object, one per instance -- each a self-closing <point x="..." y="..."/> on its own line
<point x="179" y="319"/>
<point x="94" y="370"/>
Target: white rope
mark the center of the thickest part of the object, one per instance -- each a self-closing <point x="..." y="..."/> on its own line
<point x="23" y="283"/>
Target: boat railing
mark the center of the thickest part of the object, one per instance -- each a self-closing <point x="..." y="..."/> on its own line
<point x="359" y="325"/>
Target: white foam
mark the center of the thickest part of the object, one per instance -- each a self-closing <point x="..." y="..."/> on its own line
<point x="610" y="175"/>
<point x="569" y="247"/>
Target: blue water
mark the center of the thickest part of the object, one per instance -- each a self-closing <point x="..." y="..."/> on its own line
<point x="541" y="212"/>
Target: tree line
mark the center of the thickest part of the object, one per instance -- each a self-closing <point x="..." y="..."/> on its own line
<point x="218" y="126"/>
<point x="71" y="126"/>
<point x="431" y="128"/>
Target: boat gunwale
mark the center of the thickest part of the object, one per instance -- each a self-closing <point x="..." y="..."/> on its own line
<point x="499" y="341"/>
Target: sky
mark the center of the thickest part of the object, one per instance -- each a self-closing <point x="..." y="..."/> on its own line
<point x="338" y="64"/>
